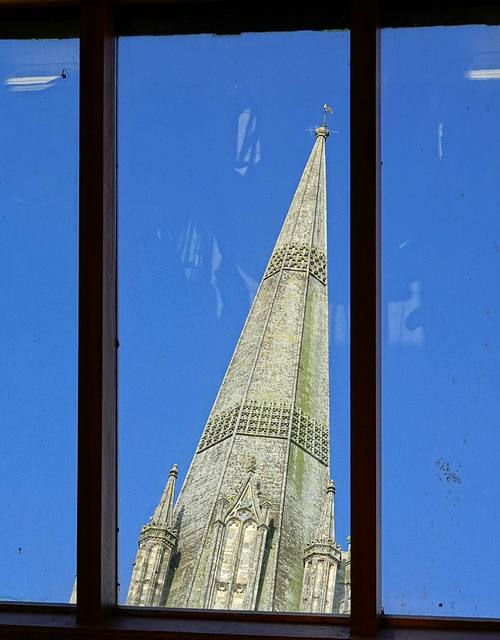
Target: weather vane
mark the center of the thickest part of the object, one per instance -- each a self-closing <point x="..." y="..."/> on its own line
<point x="326" y="108"/>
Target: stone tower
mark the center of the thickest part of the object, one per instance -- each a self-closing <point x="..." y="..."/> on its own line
<point x="253" y="527"/>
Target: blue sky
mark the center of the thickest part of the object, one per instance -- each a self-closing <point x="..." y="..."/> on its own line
<point x="39" y="316"/>
<point x="214" y="133"/>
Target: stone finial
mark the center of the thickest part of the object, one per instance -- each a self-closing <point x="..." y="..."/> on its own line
<point x="174" y="471"/>
<point x="322" y="131"/>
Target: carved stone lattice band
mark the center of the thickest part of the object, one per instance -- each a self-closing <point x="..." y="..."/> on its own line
<point x="298" y="257"/>
<point x="271" y="420"/>
<point x="310" y="435"/>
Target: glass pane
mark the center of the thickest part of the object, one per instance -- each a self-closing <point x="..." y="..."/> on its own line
<point x="214" y="133"/>
<point x="441" y="259"/>
<point x="38" y="323"/>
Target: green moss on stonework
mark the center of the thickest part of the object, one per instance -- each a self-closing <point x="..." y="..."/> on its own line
<point x="307" y="365"/>
<point x="296" y="477"/>
<point x="296" y="468"/>
<point x="296" y="586"/>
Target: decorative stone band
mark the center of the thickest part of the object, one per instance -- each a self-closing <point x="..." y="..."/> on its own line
<point x="271" y="420"/>
<point x="322" y="548"/>
<point x="298" y="257"/>
<point x="312" y="436"/>
<point x="158" y="532"/>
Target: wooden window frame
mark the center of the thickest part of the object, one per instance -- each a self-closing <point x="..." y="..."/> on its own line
<point x="96" y="613"/>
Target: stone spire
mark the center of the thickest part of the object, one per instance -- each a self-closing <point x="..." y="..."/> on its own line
<point x="164" y="512"/>
<point x="156" y="543"/>
<point x="326" y="528"/>
<point x="252" y="499"/>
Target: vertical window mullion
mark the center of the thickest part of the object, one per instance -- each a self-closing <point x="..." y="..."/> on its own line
<point x="365" y="317"/>
<point x="97" y="501"/>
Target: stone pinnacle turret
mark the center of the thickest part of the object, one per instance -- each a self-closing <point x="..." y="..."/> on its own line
<point x="156" y="543"/>
<point x="322" y="557"/>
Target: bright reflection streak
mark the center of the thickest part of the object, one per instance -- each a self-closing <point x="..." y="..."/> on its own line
<point x="31" y="80"/>
<point x="483" y="74"/>
<point x="30" y="83"/>
<point x="31" y="87"/>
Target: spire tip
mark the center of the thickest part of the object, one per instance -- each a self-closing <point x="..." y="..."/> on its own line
<point x="322" y="130"/>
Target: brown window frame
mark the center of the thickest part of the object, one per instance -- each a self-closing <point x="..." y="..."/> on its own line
<point x="96" y="613"/>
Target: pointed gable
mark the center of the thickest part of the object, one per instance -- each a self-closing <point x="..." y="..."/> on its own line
<point x="246" y="506"/>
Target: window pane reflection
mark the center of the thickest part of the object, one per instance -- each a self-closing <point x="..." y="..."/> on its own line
<point x="214" y="135"/>
<point x="441" y="135"/>
<point x="38" y="323"/>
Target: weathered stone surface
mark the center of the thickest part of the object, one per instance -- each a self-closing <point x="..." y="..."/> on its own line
<point x="249" y="512"/>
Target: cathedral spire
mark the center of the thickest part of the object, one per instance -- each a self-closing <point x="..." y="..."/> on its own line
<point x="272" y="406"/>
<point x="253" y="497"/>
